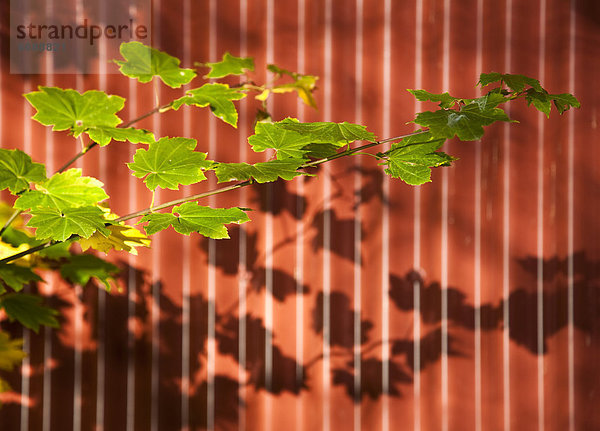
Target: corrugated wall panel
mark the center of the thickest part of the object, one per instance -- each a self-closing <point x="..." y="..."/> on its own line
<point x="351" y="301"/>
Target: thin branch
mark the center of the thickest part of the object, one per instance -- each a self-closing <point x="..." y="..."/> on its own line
<point x="9" y="221"/>
<point x="124" y="126"/>
<point x="29" y="251"/>
<point x="217" y="191"/>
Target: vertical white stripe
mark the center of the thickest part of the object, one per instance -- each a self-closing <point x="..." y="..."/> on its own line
<point x="102" y="167"/>
<point x="212" y="146"/>
<point x="242" y="280"/>
<point x="299" y="271"/>
<point x="385" y="223"/>
<point x="269" y="248"/>
<point x="26" y="365"/>
<point x="156" y="256"/>
<point x="186" y="246"/>
<point x="417" y="234"/>
<point x="506" y="231"/>
<point x="570" y="220"/>
<point x="358" y="113"/>
<point x="327" y="52"/>
<point x="444" y="251"/>
<point x="477" y="245"/>
<point x="540" y="226"/>
<point x="77" y="310"/>
<point x="131" y="277"/>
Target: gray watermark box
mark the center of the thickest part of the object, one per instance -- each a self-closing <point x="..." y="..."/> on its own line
<point x="74" y="36"/>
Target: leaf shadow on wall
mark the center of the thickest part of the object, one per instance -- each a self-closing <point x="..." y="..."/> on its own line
<point x="289" y="376"/>
<point x="522" y="302"/>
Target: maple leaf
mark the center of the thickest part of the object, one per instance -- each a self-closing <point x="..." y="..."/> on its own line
<point x="70" y="110"/>
<point x="121" y="237"/>
<point x="230" y="65"/>
<point x="169" y="163"/>
<point x="63" y="190"/>
<point x="287" y="143"/>
<point x="412" y="158"/>
<point x="17" y="171"/>
<point x="191" y="217"/>
<point x="218" y="96"/>
<point x="59" y="225"/>
<point x="28" y="310"/>
<point x="467" y="123"/>
<point x="103" y="135"/>
<point x="16" y="276"/>
<point x="144" y="63"/>
<point x="261" y="172"/>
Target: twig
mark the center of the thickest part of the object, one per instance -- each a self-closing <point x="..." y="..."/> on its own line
<point x="216" y="192"/>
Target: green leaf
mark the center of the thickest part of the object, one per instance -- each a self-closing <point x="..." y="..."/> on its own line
<point x="513" y="81"/>
<point x="304" y="85"/>
<point x="28" y="310"/>
<point x="261" y="172"/>
<point x="144" y="63"/>
<point x="69" y="109"/>
<point x="191" y="217"/>
<point x="444" y="99"/>
<point x="16" y="238"/>
<point x="16" y="276"/>
<point x="83" y="267"/>
<point x="321" y="151"/>
<point x="287" y="143"/>
<point x="564" y="101"/>
<point x="339" y="134"/>
<point x="489" y="101"/>
<point x="11" y="354"/>
<point x="63" y="190"/>
<point x="540" y="100"/>
<point x="104" y="135"/>
<point x="57" y="251"/>
<point x="230" y="65"/>
<point x="218" y="96"/>
<point x="17" y="171"/>
<point x="411" y="159"/>
<point x="467" y="123"/>
<point x="169" y="163"/>
<point x="59" y="225"/>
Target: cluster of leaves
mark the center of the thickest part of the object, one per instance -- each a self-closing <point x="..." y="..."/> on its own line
<point x="68" y="207"/>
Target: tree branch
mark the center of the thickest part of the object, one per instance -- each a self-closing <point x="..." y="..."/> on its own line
<point x="213" y="192"/>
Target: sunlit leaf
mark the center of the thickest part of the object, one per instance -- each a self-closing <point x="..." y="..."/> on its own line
<point x="104" y="135"/>
<point x="411" y="159"/>
<point x="70" y="110"/>
<point x="17" y="171"/>
<point x="63" y="190"/>
<point x="121" y="237"/>
<point x="261" y="172"/>
<point x="218" y="96"/>
<point x="144" y="63"/>
<point x="230" y="65"/>
<point x="467" y="123"/>
<point x="191" y="217"/>
<point x="169" y="163"/>
<point x="60" y="225"/>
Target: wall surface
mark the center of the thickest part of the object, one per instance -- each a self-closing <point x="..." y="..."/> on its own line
<point x="351" y="301"/>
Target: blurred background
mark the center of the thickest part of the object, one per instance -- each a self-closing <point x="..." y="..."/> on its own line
<point x="351" y="301"/>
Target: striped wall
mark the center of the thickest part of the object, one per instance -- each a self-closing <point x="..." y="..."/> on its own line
<point x="351" y="301"/>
